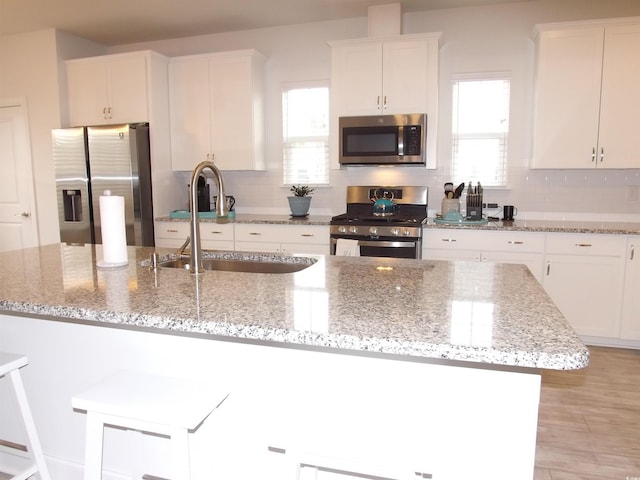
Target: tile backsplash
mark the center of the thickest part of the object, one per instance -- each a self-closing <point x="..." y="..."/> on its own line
<point x="543" y="194"/>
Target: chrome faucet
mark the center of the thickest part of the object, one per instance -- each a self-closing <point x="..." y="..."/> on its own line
<point x="221" y="211"/>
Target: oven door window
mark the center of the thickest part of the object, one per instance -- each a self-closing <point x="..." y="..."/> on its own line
<point x="370" y="141"/>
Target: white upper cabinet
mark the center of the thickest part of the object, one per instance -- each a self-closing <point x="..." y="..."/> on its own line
<point x="109" y="89"/>
<point x="217" y="110"/>
<point x="386" y="76"/>
<point x="587" y="103"/>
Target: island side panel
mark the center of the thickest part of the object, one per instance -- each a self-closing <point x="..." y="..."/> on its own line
<point x="447" y="419"/>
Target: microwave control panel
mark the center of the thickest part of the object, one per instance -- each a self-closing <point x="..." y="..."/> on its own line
<point x="412" y="136"/>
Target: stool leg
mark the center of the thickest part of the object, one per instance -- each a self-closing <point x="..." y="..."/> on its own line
<point x="93" y="448"/>
<point x="30" y="426"/>
<point x="180" y="451"/>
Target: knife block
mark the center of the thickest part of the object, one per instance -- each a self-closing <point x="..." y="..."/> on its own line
<point x="474" y="206"/>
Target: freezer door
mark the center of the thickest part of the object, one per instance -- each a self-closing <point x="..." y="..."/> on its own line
<point x="72" y="187"/>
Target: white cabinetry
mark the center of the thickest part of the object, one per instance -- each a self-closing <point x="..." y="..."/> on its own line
<point x="291" y="239"/>
<point x="111" y="89"/>
<point x="485" y="246"/>
<point x="213" y="236"/>
<point x="394" y="75"/>
<point x="217" y="108"/>
<point x="584" y="277"/>
<point x="587" y="101"/>
<point x="631" y="303"/>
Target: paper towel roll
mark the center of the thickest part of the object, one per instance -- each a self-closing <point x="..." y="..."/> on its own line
<point x="114" y="235"/>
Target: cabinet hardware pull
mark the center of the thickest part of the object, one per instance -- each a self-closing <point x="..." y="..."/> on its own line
<point x="515" y="242"/>
<point x="583" y="245"/>
<point x="23" y="214"/>
<point x="601" y="154"/>
<point x="548" y="268"/>
<point x="306" y="234"/>
<point x="633" y="251"/>
<point x="385" y="102"/>
<point x="448" y="239"/>
<point x="171" y="230"/>
<point x="255" y="233"/>
<point x="217" y="232"/>
<point x="378" y="101"/>
<point x="593" y="154"/>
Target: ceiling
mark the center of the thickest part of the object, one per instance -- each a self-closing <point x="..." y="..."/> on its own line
<point x="117" y="22"/>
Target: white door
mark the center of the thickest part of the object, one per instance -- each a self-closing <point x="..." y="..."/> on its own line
<point x="18" y="226"/>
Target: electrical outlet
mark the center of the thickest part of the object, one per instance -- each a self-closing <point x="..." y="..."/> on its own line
<point x="489" y="205"/>
<point x="632" y="193"/>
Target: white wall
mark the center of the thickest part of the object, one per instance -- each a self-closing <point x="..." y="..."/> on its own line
<point x="475" y="39"/>
<point x="493" y="38"/>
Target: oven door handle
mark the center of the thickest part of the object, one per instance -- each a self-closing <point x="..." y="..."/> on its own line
<point x="383" y="243"/>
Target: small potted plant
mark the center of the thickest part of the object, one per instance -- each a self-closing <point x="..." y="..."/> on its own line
<point x="300" y="201"/>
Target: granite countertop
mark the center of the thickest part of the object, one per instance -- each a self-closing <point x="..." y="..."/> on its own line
<point x="557" y="226"/>
<point x="466" y="311"/>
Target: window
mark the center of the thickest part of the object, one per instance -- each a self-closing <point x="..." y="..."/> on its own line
<point x="305" y="128"/>
<point x="480" y="131"/>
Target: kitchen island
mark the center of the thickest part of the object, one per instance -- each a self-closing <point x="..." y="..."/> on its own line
<point x="429" y="366"/>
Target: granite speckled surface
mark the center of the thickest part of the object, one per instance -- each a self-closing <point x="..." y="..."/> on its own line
<point x="558" y="226"/>
<point x="463" y="311"/>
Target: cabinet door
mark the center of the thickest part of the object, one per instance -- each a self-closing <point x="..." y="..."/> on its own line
<point x="620" y="104"/>
<point x="171" y="234"/>
<point x="587" y="290"/>
<point x="87" y="92"/>
<point x="190" y="112"/>
<point x="405" y="76"/>
<point x="127" y="82"/>
<point x="567" y="98"/>
<point x="631" y="301"/>
<point x="232" y="112"/>
<point x="356" y="79"/>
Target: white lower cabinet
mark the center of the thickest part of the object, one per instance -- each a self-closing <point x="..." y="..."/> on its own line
<point x="486" y="246"/>
<point x="584" y="276"/>
<point x="631" y="303"/>
<point x="291" y="239"/>
<point x="213" y="236"/>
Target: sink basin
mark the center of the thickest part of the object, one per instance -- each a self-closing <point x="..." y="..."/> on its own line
<point x="244" y="265"/>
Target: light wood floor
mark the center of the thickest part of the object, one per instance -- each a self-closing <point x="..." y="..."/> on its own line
<point x="589" y="421"/>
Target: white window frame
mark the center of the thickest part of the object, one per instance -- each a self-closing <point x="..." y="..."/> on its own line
<point x="457" y="171"/>
<point x="288" y="178"/>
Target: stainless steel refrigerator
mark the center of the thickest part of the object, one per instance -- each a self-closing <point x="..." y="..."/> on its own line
<point x="90" y="160"/>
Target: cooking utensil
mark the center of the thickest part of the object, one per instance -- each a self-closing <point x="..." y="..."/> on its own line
<point x="458" y="191"/>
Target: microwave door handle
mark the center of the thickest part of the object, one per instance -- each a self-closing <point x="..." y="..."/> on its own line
<point x="401" y="141"/>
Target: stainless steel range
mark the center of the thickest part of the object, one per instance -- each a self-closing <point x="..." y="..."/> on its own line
<point x="386" y="221"/>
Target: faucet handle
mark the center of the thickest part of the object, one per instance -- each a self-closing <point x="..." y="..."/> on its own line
<point x="183" y="248"/>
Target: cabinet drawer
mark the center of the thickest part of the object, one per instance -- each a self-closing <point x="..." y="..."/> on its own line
<point x="251" y="232"/>
<point x="512" y="241"/>
<point x="449" y="239"/>
<point x="579" y="244"/>
<point x="216" y="231"/>
<point x="172" y="230"/>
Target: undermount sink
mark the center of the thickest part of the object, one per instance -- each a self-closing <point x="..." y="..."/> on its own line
<point x="252" y="265"/>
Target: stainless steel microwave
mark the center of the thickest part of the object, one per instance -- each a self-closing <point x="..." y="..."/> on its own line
<point x="383" y="140"/>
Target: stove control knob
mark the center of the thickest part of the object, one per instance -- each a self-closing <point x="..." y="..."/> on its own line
<point x="395" y="231"/>
<point x="342" y="229"/>
<point x="406" y="232"/>
<point x="353" y="229"/>
<point x="373" y="230"/>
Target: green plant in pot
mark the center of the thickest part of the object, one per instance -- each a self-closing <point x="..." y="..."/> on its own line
<point x="300" y="201"/>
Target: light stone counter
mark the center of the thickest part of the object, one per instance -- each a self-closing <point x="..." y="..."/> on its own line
<point x="459" y="311"/>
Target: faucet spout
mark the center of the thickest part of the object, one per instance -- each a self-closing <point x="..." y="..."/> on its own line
<point x="221" y="211"/>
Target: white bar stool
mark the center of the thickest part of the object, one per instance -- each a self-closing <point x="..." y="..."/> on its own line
<point x="10" y="364"/>
<point x="147" y="403"/>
